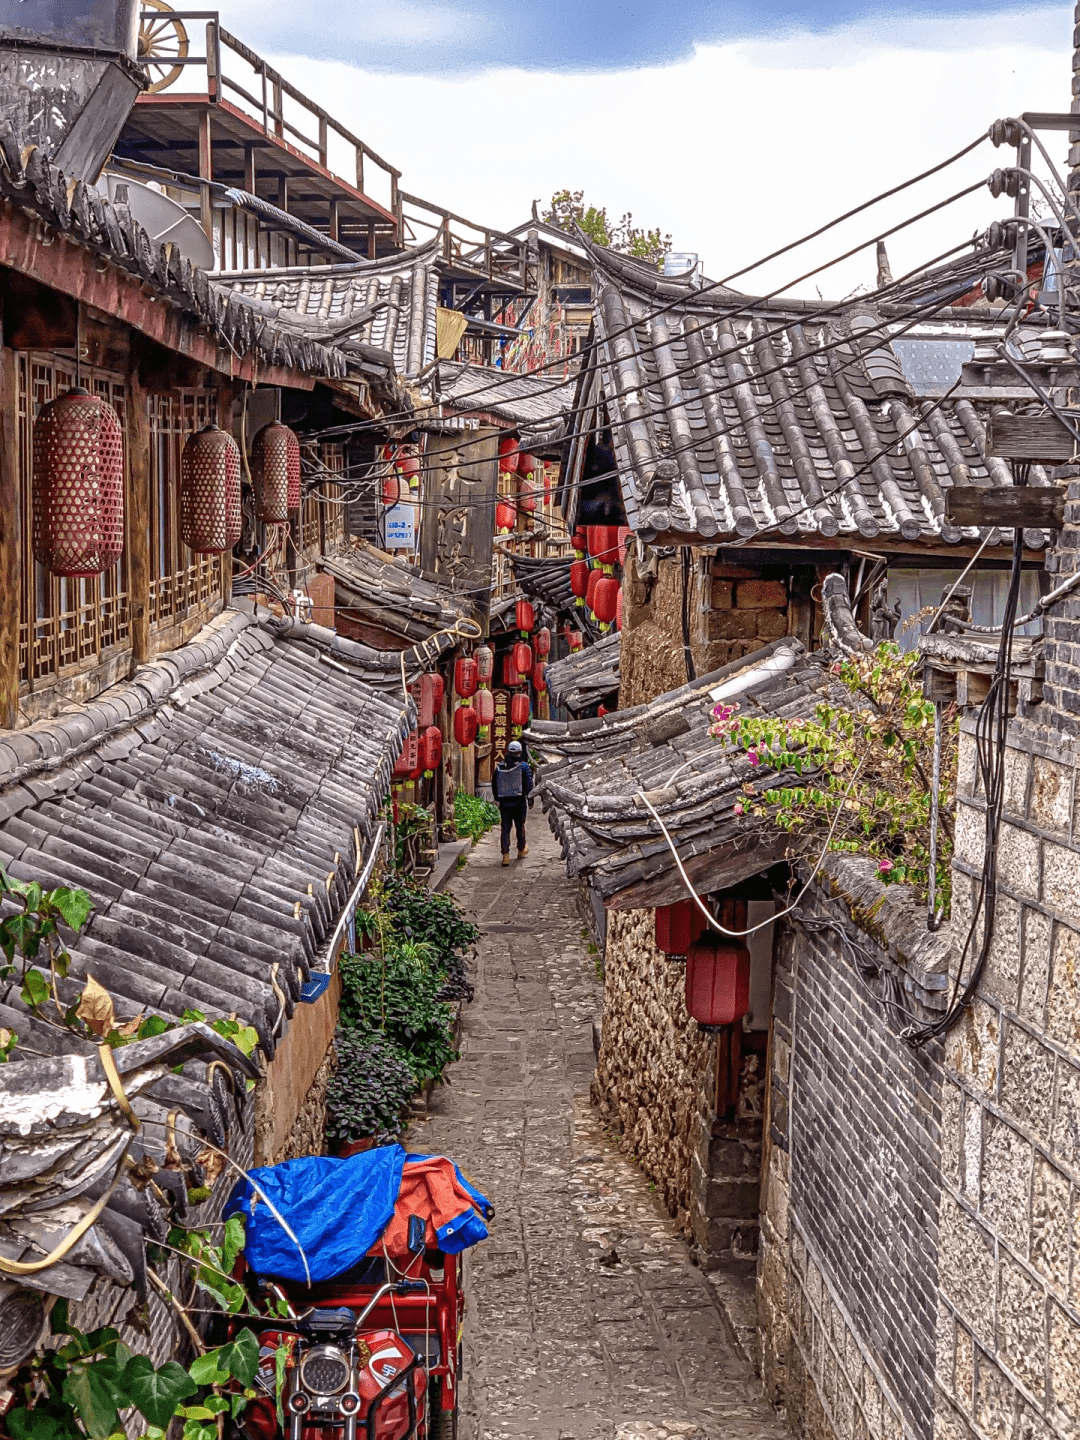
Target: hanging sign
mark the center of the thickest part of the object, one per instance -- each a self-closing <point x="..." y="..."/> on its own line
<point x="400" y="523"/>
<point x="500" y="729"/>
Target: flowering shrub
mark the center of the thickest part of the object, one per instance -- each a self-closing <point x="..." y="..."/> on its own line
<point x="862" y="769"/>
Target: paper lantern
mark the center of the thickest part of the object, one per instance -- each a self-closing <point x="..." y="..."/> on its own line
<point x="485" y="663"/>
<point x="391" y="489"/>
<point x="78" y="486"/>
<point x="605" y="601"/>
<point x="525" y="616"/>
<point x="542" y="641"/>
<point x="275" y="470"/>
<point x="595" y="576"/>
<point x="505" y="516"/>
<point x="528" y="484"/>
<point x="539" y="677"/>
<point x="575" y="639"/>
<point x="431" y="748"/>
<point x="408" y="467"/>
<point x="523" y="659"/>
<point x="438" y="691"/>
<point x="519" y="708"/>
<point x="579" y="578"/>
<point x="580" y="540"/>
<point x="603" y="542"/>
<point x="406" y="761"/>
<point x="619" y="610"/>
<point x="677" y="926"/>
<point x="465" y="677"/>
<point x="510" y="671"/>
<point x="717" y="980"/>
<point x="428" y="691"/>
<point x="210" y="520"/>
<point x="466" y="725"/>
<point x="484" y="705"/>
<point x="508" y="453"/>
<point x="624" y="534"/>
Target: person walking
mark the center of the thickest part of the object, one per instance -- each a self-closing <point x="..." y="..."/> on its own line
<point x="511" y="784"/>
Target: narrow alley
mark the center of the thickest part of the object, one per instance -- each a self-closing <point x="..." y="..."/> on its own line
<point x="586" y="1318"/>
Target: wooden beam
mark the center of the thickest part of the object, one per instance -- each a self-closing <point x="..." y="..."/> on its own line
<point x="1038" y="439"/>
<point x="206" y="172"/>
<point x="138" y="518"/>
<point x="10" y="568"/>
<point x="1024" y="507"/>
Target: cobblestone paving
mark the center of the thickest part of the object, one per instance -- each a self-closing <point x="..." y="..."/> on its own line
<point x="586" y="1319"/>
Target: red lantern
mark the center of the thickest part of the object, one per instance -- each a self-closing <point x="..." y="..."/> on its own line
<point x="408" y="467"/>
<point x="275" y="463"/>
<point x="523" y="659"/>
<point x="605" y="601"/>
<point x="510" y="673"/>
<point x="575" y="639"/>
<point x="624" y="534"/>
<point x="603" y="543"/>
<point x="678" y="926"/>
<point x="580" y="540"/>
<point x="579" y="578"/>
<point x="430" y="699"/>
<point x="484" y="705"/>
<point x="525" y="616"/>
<point x="78" y="486"/>
<point x="438" y="692"/>
<point x="391" y="489"/>
<point x="595" y="576"/>
<point x="619" y="611"/>
<point x="601" y="711"/>
<point x="466" y="725"/>
<point x="527" y="483"/>
<point x="465" y="677"/>
<point x="542" y="641"/>
<point x="210" y="492"/>
<point x="485" y="664"/>
<point x="717" y="981"/>
<point x="508" y="453"/>
<point x="431" y="748"/>
<point x="406" y="761"/>
<point x="505" y="516"/>
<point x="519" y="708"/>
<point x="539" y="677"/>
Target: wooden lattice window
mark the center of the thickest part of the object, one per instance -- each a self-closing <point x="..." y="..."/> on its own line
<point x="179" y="581"/>
<point x="64" y="625"/>
<point x="333" y="504"/>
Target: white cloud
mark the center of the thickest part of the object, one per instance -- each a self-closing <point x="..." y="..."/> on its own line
<point x="735" y="151"/>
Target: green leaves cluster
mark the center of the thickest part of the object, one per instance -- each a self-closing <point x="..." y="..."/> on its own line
<point x="864" y="767"/>
<point x="474" y="817"/>
<point x="86" y="1384"/>
<point x="568" y="209"/>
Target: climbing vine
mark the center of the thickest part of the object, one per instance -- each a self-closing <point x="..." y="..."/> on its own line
<point x="860" y="769"/>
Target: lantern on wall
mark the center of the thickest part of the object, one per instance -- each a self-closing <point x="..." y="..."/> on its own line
<point x="431" y="749"/>
<point x="430" y="697"/>
<point x="406" y="761"/>
<point x="539" y="677"/>
<point x="78" y="485"/>
<point x="575" y="640"/>
<point x="677" y="926"/>
<point x="210" y="492"/>
<point x="466" y="725"/>
<point x="465" y="677"/>
<point x="275" y="469"/>
<point x="717" y="980"/>
<point x="408" y="467"/>
<point x="528" y="484"/>
<point x="484" y="705"/>
<point x="391" y="489"/>
<point x="519" y="708"/>
<point x="619" y="611"/>
<point x="605" y="601"/>
<point x="542" y="641"/>
<point x="525" y="616"/>
<point x="523" y="659"/>
<point x="579" y="581"/>
<point x="595" y="576"/>
<point x="624" y="534"/>
<point x="508" y="453"/>
<point x="603" y="542"/>
<point x="510" y="671"/>
<point x="505" y="516"/>
<point x="485" y="663"/>
<point x="580" y="541"/>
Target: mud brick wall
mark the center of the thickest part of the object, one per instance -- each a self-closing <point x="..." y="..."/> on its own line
<point x="655" y="1085"/>
<point x="847" y="1275"/>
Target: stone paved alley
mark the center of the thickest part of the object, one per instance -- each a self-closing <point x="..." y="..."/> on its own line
<point x="586" y="1318"/>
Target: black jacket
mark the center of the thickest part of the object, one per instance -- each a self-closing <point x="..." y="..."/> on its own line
<point x="526" y="780"/>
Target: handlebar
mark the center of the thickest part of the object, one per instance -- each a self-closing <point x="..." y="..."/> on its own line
<point x="399" y="1287"/>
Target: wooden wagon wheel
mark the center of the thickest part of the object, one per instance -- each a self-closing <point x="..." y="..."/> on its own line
<point x="161" y="43"/>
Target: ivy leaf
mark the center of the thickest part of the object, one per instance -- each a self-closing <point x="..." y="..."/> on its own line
<point x="157" y="1393"/>
<point x="95" y="1007"/>
<point x="208" y="1369"/>
<point x="35" y="989"/>
<point x="242" y="1357"/>
<point x="233" y="1242"/>
<point x="94" y="1393"/>
<point x="74" y="906"/>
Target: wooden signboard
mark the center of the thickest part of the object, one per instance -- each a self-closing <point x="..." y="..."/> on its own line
<point x="500" y="729"/>
<point x="1024" y="507"/>
<point x="1037" y="439"/>
<point x="457" y="529"/>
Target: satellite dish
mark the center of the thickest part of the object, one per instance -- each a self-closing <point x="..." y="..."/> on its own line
<point x="164" y="220"/>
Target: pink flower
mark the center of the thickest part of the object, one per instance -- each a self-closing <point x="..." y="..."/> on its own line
<point x="753" y="757"/>
<point x="740" y="810"/>
<point x="884" y="866"/>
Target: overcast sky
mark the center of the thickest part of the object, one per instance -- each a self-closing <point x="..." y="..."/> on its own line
<point x="735" y="126"/>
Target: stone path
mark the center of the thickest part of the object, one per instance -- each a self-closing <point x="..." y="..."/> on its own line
<point x="586" y="1319"/>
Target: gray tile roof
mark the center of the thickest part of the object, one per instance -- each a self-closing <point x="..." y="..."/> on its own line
<point x="401" y="598"/>
<point x="547" y="580"/>
<point x="733" y="424"/>
<point x="539" y="406"/>
<point x="383" y="306"/>
<point x="584" y="679"/>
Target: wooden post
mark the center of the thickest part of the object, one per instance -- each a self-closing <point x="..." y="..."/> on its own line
<point x="360" y="168"/>
<point x="138" y="518"/>
<point x="10" y="568"/>
<point x="335" y="220"/>
<point x="371" y="248"/>
<point x="324" y="141"/>
<point x="251" y="178"/>
<point x="206" y="172"/>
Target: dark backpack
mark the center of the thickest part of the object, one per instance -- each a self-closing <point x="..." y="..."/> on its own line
<point x="508" y="784"/>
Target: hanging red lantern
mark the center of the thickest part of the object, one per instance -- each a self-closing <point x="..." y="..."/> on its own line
<point x="678" y="926"/>
<point x="466" y="725"/>
<point x="391" y="489"/>
<point x="580" y="540"/>
<point x="438" y="692"/>
<point x="505" y="516"/>
<point x="624" y="534"/>
<point x="539" y="677"/>
<point x="508" y="453"/>
<point x="523" y="659"/>
<point x="484" y="705"/>
<point x="601" y="711"/>
<point x="485" y="664"/>
<point x="275" y="468"/>
<point x="575" y="639"/>
<point x="542" y="641"/>
<point x="528" y="485"/>
<point x="78" y="485"/>
<point x="465" y="677"/>
<point x="525" y="616"/>
<point x="510" y="671"/>
<point x="579" y="578"/>
<point x="210" y="520"/>
<point x="619" y="610"/>
<point x="605" y="601"/>
<point x="717" y="980"/>
<point x="603" y="542"/>
<point x="406" y="761"/>
<point x="429" y="698"/>
<point x="431" y="748"/>
<point x="408" y="467"/>
<point x="595" y="576"/>
<point x="519" y="708"/>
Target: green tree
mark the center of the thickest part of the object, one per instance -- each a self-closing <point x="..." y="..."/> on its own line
<point x="568" y="210"/>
